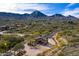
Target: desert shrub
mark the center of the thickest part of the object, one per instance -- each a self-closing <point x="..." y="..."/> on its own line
<point x="19" y="46"/>
<point x="20" y="53"/>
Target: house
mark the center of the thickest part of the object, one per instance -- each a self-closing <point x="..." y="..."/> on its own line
<point x="1" y="33"/>
<point x="5" y="27"/>
<point x="51" y="41"/>
<point x="41" y="40"/>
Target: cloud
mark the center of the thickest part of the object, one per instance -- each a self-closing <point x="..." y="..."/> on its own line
<point x="71" y="4"/>
<point x="7" y="7"/>
<point x="30" y="6"/>
<point x="21" y="7"/>
<point x="74" y="12"/>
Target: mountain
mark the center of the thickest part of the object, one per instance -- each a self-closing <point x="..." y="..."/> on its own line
<point x="71" y="17"/>
<point x="37" y="14"/>
<point x="57" y="15"/>
<point x="12" y="16"/>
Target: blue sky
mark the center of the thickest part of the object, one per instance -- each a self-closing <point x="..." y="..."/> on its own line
<point x="46" y="8"/>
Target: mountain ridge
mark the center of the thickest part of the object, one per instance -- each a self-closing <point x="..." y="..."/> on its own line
<point x="34" y="14"/>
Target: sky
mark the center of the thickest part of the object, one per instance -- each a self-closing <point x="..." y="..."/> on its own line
<point x="46" y="8"/>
